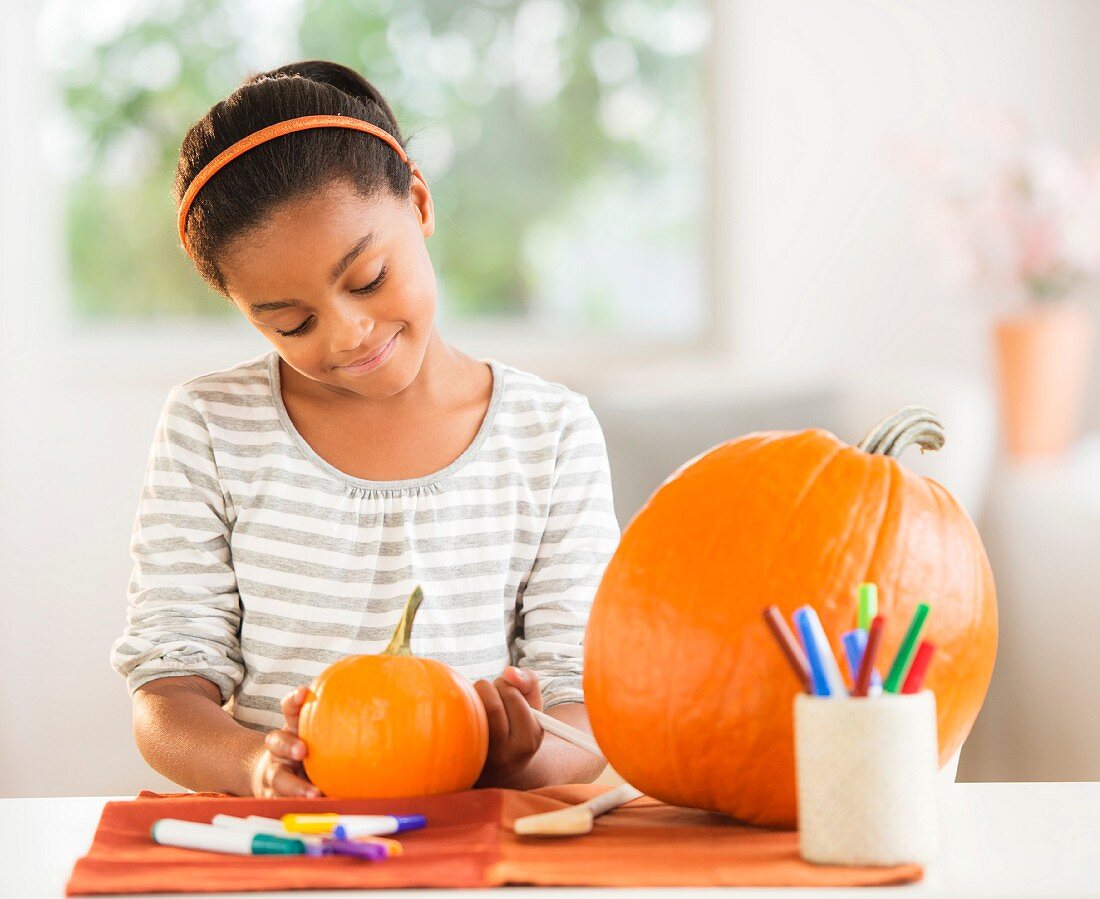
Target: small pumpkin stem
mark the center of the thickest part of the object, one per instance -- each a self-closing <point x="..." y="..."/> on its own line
<point x="913" y="424"/>
<point x="399" y="642"/>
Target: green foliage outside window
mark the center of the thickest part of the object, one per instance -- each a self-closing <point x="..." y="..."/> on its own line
<point x="528" y="117"/>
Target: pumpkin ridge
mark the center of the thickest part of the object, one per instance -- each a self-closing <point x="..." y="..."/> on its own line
<point x="889" y="585"/>
<point x="871" y="565"/>
<point x="976" y="631"/>
<point x="670" y="730"/>
<point x="794" y="444"/>
<point x="809" y="482"/>
<point x="944" y="711"/>
<point x="837" y="571"/>
<point x="811" y="479"/>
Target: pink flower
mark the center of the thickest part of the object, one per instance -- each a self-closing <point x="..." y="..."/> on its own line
<point x="1008" y="212"/>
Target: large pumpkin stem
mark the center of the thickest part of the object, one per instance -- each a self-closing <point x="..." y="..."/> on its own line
<point x="913" y="424"/>
<point x="399" y="642"/>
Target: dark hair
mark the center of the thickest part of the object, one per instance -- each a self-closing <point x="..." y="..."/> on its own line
<point x="244" y="192"/>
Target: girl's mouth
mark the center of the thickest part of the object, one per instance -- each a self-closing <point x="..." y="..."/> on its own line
<point x="372" y="363"/>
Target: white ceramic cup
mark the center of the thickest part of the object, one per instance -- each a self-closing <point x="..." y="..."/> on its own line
<point x="866" y="777"/>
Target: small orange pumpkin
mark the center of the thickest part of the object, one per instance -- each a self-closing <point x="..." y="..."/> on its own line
<point x="392" y="725"/>
<point x="686" y="692"/>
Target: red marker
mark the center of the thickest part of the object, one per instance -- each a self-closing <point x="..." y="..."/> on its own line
<point x="789" y="645"/>
<point x="917" y="670"/>
<point x="867" y="663"/>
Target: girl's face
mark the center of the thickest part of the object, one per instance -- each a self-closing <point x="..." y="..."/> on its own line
<point x="336" y="279"/>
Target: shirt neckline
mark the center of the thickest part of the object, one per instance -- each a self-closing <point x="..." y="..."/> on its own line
<point x="483" y="432"/>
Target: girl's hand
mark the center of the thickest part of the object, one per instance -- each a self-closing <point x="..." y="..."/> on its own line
<point x="278" y="770"/>
<point x="514" y="734"/>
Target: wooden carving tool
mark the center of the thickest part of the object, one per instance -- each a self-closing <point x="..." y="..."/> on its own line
<point x="576" y="819"/>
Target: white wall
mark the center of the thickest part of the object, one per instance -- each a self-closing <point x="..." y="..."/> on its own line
<point x="829" y="272"/>
<point x="819" y="281"/>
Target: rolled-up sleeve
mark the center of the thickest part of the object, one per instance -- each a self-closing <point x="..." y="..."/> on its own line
<point x="580" y="536"/>
<point x="183" y="608"/>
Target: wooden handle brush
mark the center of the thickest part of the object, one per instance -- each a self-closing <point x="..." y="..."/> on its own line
<point x="567" y="732"/>
<point x="576" y="819"/>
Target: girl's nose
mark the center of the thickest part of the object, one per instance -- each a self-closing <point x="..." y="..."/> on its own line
<point x="350" y="328"/>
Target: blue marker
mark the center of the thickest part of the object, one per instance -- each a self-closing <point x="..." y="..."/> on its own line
<point x="829" y="670"/>
<point x="828" y="660"/>
<point x="805" y="630"/>
<point x="855" y="644"/>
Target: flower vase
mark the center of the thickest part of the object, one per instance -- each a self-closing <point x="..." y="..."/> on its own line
<point x="1043" y="357"/>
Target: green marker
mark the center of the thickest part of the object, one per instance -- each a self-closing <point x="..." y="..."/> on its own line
<point x="868" y="606"/>
<point x="908" y="649"/>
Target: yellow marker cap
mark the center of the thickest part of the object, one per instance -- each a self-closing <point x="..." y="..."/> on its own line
<point x="318" y="823"/>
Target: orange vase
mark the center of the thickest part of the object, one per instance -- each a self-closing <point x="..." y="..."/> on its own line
<point x="1043" y="358"/>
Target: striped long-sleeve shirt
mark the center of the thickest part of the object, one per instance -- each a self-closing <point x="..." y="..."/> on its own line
<point x="257" y="563"/>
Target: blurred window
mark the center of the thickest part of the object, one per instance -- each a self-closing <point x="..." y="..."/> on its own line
<point x="564" y="140"/>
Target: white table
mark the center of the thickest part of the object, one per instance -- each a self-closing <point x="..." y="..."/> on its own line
<point x="998" y="839"/>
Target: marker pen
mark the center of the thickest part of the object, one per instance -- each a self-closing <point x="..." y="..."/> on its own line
<point x="371" y="851"/>
<point x="194" y="835"/>
<point x="855" y="644"/>
<point x="352" y="826"/>
<point x="346" y="827"/>
<point x="823" y="668"/>
<point x="258" y="824"/>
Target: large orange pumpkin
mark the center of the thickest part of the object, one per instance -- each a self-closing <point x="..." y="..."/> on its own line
<point x="687" y="693"/>
<point x="392" y="725"/>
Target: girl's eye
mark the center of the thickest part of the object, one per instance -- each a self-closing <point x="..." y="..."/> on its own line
<point x="304" y="326"/>
<point x="375" y="284"/>
<point x="299" y="330"/>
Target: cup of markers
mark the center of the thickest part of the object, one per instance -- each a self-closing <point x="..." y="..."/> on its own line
<point x="865" y="758"/>
<point x="315" y="835"/>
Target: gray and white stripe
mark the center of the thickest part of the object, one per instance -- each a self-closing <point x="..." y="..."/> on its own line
<point x="257" y="563"/>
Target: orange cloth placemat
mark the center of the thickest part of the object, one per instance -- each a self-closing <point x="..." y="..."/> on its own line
<point x="468" y="843"/>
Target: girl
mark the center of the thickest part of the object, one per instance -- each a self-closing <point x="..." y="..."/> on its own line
<point x="293" y="501"/>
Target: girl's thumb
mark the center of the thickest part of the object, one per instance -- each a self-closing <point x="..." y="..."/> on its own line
<point x="520" y="678"/>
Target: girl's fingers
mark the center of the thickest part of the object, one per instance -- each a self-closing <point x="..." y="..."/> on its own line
<point x="527" y="682"/>
<point x="285" y="782"/>
<point x="525" y="733"/>
<point x="292" y="706"/>
<point x="494" y="711"/>
<point x="286" y="746"/>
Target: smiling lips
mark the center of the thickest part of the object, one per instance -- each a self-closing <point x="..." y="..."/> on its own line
<point x="374" y="354"/>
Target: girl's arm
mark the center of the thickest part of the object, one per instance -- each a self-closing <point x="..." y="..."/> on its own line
<point x="184" y="733"/>
<point x="180" y="652"/>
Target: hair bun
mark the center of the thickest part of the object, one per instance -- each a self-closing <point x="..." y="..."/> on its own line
<point x="344" y="79"/>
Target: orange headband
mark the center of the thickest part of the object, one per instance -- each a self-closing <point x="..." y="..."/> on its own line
<point x="266" y="134"/>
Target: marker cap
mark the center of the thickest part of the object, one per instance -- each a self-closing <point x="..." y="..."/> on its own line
<point x="269" y="844"/>
<point x="410" y="822"/>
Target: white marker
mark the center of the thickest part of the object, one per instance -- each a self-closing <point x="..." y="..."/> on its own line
<point x="194" y="835"/>
<point x="258" y="824"/>
<point x="352" y="826"/>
